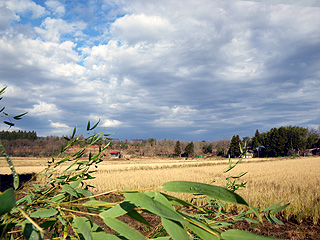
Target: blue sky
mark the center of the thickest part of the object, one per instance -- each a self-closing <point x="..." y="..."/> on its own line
<point x="188" y="70"/>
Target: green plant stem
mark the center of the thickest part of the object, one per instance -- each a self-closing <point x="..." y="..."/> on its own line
<point x="14" y="173"/>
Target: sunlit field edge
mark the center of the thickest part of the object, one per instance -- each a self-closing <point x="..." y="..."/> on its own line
<point x="287" y="180"/>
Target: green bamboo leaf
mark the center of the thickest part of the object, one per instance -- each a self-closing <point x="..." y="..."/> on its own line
<point x="68" y="189"/>
<point x="8" y="123"/>
<point x="15" y="180"/>
<point x="202" y="230"/>
<point x="82" y="225"/>
<point x="88" y="125"/>
<point x="43" y="213"/>
<point x="7" y="201"/>
<point x="175" y="229"/>
<point x="272" y="207"/>
<point x="47" y="224"/>
<point x="123" y="229"/>
<point x="18" y="117"/>
<point x="96" y="139"/>
<point x="104" y="236"/>
<point x="24" y="200"/>
<point x="276" y="220"/>
<point x="146" y="202"/>
<point x="241" y="150"/>
<point x="162" y="199"/>
<point x="234" y="234"/>
<point x="135" y="215"/>
<point x="63" y="160"/>
<point x="74" y="132"/>
<point x="279" y="208"/>
<point x="29" y="232"/>
<point x="118" y="210"/>
<point x="240" y="175"/>
<point x="76" y="183"/>
<point x="95" y="125"/>
<point x="178" y="201"/>
<point x="250" y="220"/>
<point x="2" y="90"/>
<point x="267" y="216"/>
<point x="84" y="192"/>
<point x="58" y="198"/>
<point x="205" y="189"/>
<point x="96" y="203"/>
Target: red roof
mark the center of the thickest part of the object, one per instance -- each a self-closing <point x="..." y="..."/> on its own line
<point x="116" y="152"/>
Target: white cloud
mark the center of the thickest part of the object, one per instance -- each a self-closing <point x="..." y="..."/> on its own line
<point x="111" y="123"/>
<point x="38" y="60"/>
<point x="133" y="29"/>
<point x="177" y="116"/>
<point x="6" y="17"/>
<point x="59" y="125"/>
<point x="26" y="6"/>
<point x="52" y="29"/>
<point x="43" y="108"/>
<point x="56" y="7"/>
<point x="58" y="128"/>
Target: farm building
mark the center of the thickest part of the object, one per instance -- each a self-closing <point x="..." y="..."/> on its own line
<point x="115" y="154"/>
<point x="312" y="151"/>
<point x="249" y="154"/>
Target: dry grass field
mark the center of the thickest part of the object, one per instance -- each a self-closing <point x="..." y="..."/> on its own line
<point x="288" y="180"/>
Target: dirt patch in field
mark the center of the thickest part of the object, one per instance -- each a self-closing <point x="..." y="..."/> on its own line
<point x="292" y="229"/>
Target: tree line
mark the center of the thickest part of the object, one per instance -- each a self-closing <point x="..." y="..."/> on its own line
<point x="28" y="144"/>
<point x="6" y="135"/>
<point x="282" y="141"/>
<point x="278" y="142"/>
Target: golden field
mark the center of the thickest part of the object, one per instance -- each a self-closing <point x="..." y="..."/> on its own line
<point x="287" y="180"/>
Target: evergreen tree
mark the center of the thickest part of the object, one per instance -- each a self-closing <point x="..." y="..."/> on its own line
<point x="177" y="148"/>
<point x="234" y="150"/>
<point x="256" y="141"/>
<point x="207" y="148"/>
<point x="189" y="149"/>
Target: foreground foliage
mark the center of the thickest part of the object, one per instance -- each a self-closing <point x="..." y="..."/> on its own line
<point x="64" y="207"/>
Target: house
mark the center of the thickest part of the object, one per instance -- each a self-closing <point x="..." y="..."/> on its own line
<point x="260" y="151"/>
<point x="115" y="154"/>
<point x="312" y="151"/>
<point x="249" y="154"/>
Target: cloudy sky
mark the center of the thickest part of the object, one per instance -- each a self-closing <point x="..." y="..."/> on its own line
<point x="188" y="70"/>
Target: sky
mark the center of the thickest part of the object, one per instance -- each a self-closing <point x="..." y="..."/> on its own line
<point x="185" y="70"/>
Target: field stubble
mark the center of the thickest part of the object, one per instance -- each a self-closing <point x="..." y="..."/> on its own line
<point x="287" y="180"/>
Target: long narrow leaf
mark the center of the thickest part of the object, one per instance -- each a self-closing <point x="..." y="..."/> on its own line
<point x="205" y="189"/>
<point x="118" y="210"/>
<point x="82" y="225"/>
<point x="279" y="208"/>
<point x="175" y="229"/>
<point x="18" y="117"/>
<point x="8" y="123"/>
<point x="43" y="213"/>
<point x="95" y="125"/>
<point x="74" y="132"/>
<point x="123" y="229"/>
<point x="7" y="201"/>
<point x="146" y="202"/>
<point x="201" y="230"/>
<point x="234" y="234"/>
